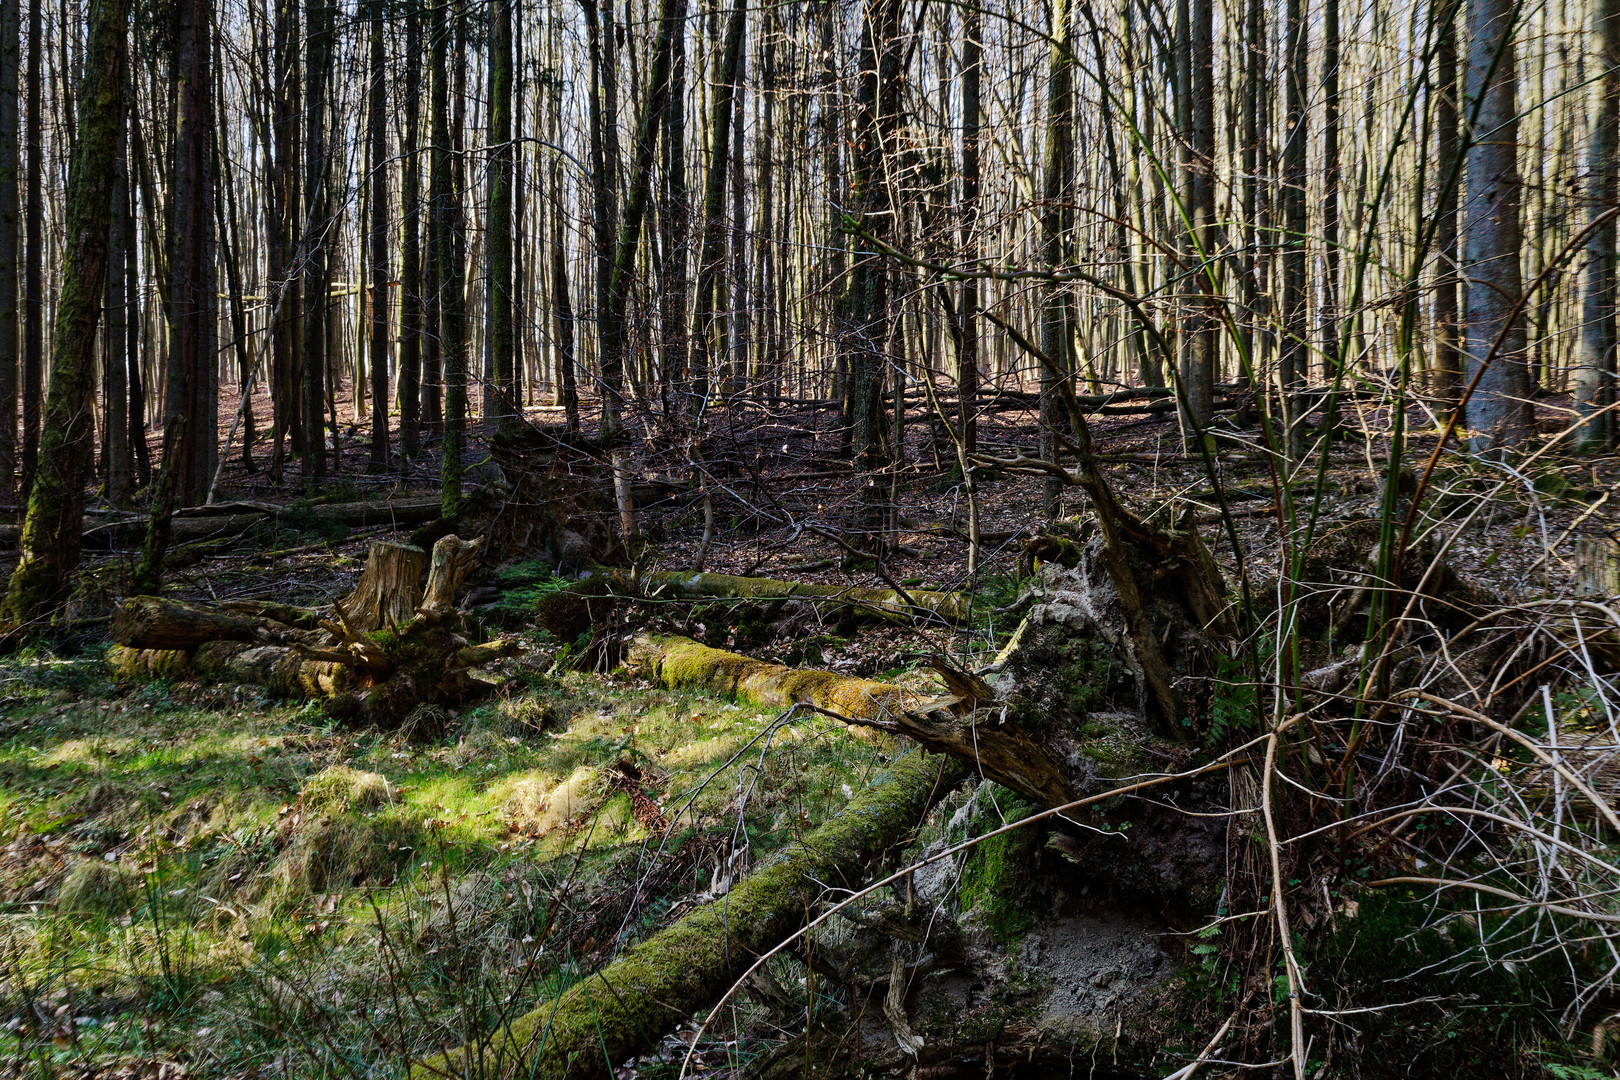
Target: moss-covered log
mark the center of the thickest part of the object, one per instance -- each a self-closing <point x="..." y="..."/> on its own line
<point x="683" y="664"/>
<point x="628" y="1005"/>
<point x="828" y="600"/>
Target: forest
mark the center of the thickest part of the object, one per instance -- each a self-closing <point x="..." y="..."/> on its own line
<point x="831" y="538"/>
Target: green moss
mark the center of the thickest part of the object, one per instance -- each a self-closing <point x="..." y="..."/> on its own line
<point x="659" y="982"/>
<point x="996" y="878"/>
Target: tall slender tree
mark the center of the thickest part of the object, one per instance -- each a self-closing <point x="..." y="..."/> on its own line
<point x="317" y="233"/>
<point x="1057" y="202"/>
<point x="1447" y="379"/>
<point x="10" y="237"/>
<point x="191" y="386"/>
<point x="1499" y="412"/>
<point x="33" y="355"/>
<point x="449" y="252"/>
<point x="967" y="356"/>
<point x="1594" y="379"/>
<point x="411" y="308"/>
<point x="499" y="283"/>
<point x="377" y="233"/>
<point x="1294" y="302"/>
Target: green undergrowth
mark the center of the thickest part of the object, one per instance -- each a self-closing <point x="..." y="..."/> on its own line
<point x="201" y="875"/>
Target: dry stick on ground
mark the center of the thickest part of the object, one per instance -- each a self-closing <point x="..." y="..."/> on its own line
<point x="657" y="984"/>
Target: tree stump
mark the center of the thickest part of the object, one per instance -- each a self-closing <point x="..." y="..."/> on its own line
<point x="453" y="560"/>
<point x="389" y="591"/>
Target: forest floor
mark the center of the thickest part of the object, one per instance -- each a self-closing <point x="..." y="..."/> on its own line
<point x="197" y="880"/>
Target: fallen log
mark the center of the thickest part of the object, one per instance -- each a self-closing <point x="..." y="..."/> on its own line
<point x="656" y="985"/>
<point x="153" y="622"/>
<point x="226" y="519"/>
<point x="827" y="600"/>
<point x="683" y="664"/>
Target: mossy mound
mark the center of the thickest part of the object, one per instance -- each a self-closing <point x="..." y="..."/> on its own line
<point x="340" y="788"/>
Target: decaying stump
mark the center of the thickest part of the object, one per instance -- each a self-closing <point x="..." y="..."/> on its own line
<point x="389" y="590"/>
<point x="660" y="983"/>
<point x="391" y="646"/>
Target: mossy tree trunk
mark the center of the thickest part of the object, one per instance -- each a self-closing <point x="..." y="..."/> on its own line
<point x="630" y="1004"/>
<point x="683" y="664"/>
<point x="50" y="537"/>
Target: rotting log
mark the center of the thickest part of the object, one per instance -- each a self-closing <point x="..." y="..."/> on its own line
<point x="683" y="664"/>
<point x="656" y="985"/>
<point x="415" y="656"/>
<point x="153" y="622"/>
<point x="828" y="600"/>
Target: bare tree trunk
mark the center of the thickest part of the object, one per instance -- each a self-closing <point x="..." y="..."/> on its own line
<point x="967" y="356"/>
<point x="377" y="172"/>
<point x="1295" y="314"/>
<point x="499" y="226"/>
<point x="449" y="255"/>
<point x="281" y="222"/>
<point x="115" y="464"/>
<point x="1594" y="379"/>
<point x="867" y="315"/>
<point x="317" y="235"/>
<point x="33" y="357"/>
<point x="1328" y="317"/>
<point x="708" y="332"/>
<point x="50" y="541"/>
<point x="193" y="308"/>
<point x="1499" y="411"/>
<point x="1447" y="383"/>
<point x="562" y="309"/>
<point x="1201" y="330"/>
<point x="410" y="251"/>
<point x="1057" y="193"/>
<point x="10" y="247"/>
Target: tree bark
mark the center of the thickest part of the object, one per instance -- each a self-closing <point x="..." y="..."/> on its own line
<point x="377" y="267"/>
<point x="615" y="331"/>
<point x="1294" y="303"/>
<point x="115" y="463"/>
<point x="33" y="355"/>
<point x="1499" y="412"/>
<point x="450" y="259"/>
<point x="50" y="536"/>
<point x="1594" y="379"/>
<point x="1057" y="195"/>
<point x="10" y="246"/>
<point x="502" y="331"/>
<point x="411" y="323"/>
<point x="1447" y="381"/>
<point x="319" y="48"/>
<point x="191" y="390"/>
